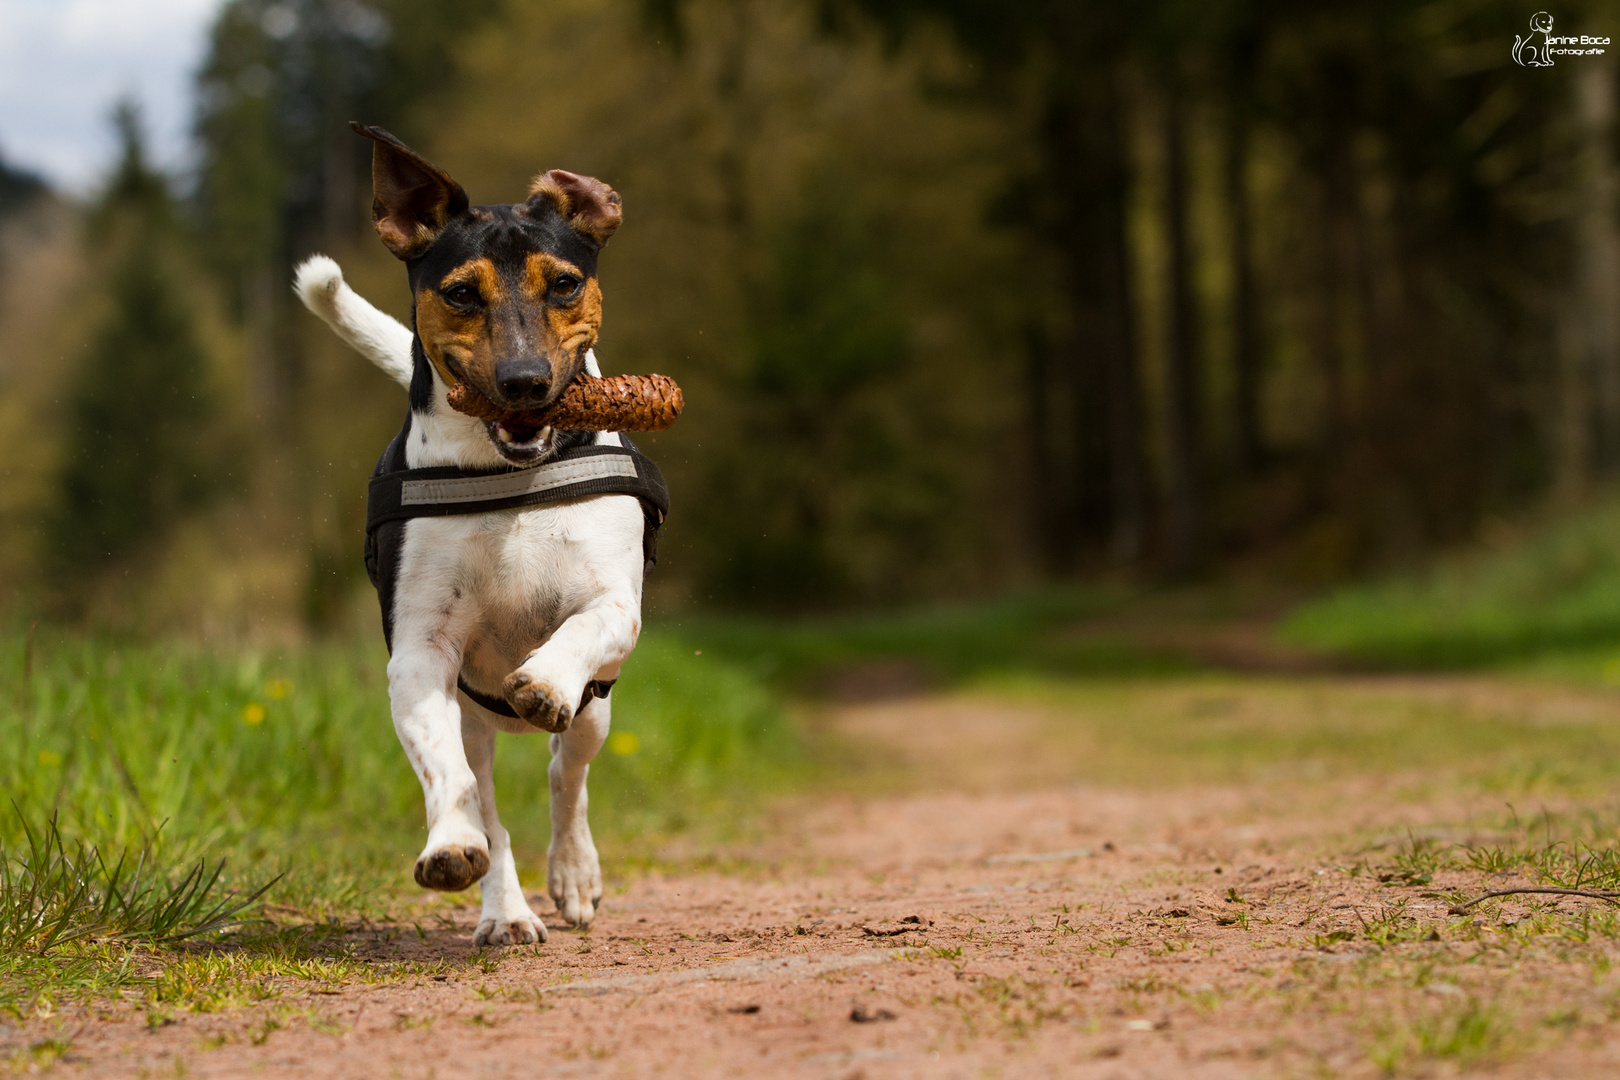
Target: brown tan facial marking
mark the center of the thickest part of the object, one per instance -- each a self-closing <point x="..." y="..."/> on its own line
<point x="458" y="342"/>
<point x="571" y="325"/>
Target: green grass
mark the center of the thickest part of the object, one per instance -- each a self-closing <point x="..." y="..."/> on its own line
<point x="136" y="769"/>
<point x="1468" y="1033"/>
<point x="1575" y="848"/>
<point x="1548" y="593"/>
<point x="263" y="754"/>
<point x="174" y="757"/>
<point x="53" y="893"/>
<point x="1029" y="632"/>
<point x="1229" y="728"/>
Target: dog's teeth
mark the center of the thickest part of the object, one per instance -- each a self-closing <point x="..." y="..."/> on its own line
<point x="508" y="439"/>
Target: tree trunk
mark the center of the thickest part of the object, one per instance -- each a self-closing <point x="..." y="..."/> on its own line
<point x="1572" y="412"/>
<point x="1596" y="307"/>
<point x="1250" y="442"/>
<point x="1183" y="376"/>
<point x="1334" y="281"/>
<point x="1128" y="467"/>
<point x="340" y="199"/>
<point x="1083" y="139"/>
<point x="1045" y="487"/>
<point x="270" y="391"/>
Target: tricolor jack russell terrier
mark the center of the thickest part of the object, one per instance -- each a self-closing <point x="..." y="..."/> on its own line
<point x="508" y="559"/>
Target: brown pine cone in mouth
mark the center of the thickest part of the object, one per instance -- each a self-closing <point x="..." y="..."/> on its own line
<point x="614" y="403"/>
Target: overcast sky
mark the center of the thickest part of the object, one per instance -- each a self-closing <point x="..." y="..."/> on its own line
<point x="63" y="63"/>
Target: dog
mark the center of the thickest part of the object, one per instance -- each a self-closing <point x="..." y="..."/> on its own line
<point x="531" y="607"/>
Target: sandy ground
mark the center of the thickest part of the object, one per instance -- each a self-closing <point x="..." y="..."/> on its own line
<point x="995" y="923"/>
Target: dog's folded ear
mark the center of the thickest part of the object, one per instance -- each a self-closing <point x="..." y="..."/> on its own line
<point x="586" y="203"/>
<point x="412" y="198"/>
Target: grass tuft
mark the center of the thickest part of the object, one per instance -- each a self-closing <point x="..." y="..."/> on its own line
<point x="53" y="892"/>
<point x="1470" y="1033"/>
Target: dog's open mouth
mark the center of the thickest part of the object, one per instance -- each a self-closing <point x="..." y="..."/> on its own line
<point x="519" y="442"/>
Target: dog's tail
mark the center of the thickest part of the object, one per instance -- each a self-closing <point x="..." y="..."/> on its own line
<point x="376" y="335"/>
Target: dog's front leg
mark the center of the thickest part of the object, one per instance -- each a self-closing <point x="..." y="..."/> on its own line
<point x="550" y="683"/>
<point x="427" y="719"/>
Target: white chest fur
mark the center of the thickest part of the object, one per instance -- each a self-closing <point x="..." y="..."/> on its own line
<point x="502" y="583"/>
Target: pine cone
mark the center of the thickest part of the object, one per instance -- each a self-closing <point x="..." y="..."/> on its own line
<point x="615" y="403"/>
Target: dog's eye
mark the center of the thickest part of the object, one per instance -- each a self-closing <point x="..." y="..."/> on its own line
<point x="565" y="286"/>
<point x="462" y="295"/>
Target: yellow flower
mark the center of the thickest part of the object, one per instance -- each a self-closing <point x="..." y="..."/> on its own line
<point x="253" y="714"/>
<point x="279" y="688"/>
<point x="624" y="743"/>
<point x="49" y="757"/>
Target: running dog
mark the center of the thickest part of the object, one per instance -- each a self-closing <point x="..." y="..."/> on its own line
<point x="507" y="611"/>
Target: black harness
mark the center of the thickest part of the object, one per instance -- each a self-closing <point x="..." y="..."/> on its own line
<point x="397" y="494"/>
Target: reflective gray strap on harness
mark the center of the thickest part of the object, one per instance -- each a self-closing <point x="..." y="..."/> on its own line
<point x="397" y="495"/>
<point x="446" y="491"/>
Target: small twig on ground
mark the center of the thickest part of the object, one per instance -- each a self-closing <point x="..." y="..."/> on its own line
<point x="1606" y="897"/>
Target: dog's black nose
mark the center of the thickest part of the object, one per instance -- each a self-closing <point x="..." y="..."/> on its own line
<point x="523" y="380"/>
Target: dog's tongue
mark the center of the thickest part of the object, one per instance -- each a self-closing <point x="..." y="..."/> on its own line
<point x="519" y="431"/>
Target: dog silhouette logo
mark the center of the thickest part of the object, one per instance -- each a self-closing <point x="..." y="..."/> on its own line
<point x="1527" y="51"/>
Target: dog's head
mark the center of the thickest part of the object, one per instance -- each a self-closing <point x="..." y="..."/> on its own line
<point x="506" y="297"/>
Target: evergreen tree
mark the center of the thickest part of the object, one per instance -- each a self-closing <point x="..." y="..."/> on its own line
<point x="821" y="463"/>
<point x="280" y="176"/>
<point x="18" y="188"/>
<point x="139" y="405"/>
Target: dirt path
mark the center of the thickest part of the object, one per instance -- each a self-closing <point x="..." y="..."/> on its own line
<point x="1010" y="927"/>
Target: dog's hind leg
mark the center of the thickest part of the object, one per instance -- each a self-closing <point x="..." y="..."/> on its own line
<point x="505" y="918"/>
<point x="573" y="872"/>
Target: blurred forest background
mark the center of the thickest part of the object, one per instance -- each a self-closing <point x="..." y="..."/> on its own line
<point x="964" y="294"/>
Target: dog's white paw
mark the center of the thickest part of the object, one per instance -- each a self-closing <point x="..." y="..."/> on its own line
<point x="524" y="929"/>
<point x="455" y="857"/>
<point x="574" y="880"/>
<point x="538" y="702"/>
<point x="317" y="281"/>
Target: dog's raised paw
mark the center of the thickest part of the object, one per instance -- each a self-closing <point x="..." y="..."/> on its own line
<point x="317" y="280"/>
<point x="526" y="929"/>
<point x="537" y="703"/>
<point x="451" y="869"/>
